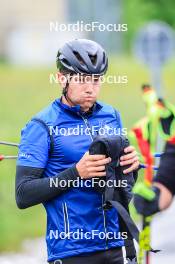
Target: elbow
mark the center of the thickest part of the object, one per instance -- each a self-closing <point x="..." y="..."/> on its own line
<point x="20" y="204"/>
<point x="20" y="201"/>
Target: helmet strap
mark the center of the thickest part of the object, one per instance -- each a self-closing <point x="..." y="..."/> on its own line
<point x="65" y="93"/>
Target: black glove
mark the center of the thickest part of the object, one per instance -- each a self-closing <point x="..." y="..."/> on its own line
<point x="145" y="207"/>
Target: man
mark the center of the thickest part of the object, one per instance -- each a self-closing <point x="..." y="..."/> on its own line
<point x="80" y="64"/>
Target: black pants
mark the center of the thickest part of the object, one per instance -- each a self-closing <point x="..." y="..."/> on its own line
<point x="110" y="256"/>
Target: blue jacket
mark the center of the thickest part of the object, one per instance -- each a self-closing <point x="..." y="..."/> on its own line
<point x="80" y="208"/>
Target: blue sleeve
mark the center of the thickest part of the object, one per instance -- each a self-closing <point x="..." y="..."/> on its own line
<point x="34" y="145"/>
<point x="119" y="120"/>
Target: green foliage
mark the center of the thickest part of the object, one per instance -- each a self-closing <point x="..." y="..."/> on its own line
<point x="138" y="12"/>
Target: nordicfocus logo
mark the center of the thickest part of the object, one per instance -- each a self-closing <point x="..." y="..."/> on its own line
<point x="80" y="26"/>
<point x="88" y="235"/>
<point x="79" y="130"/>
<point x="89" y="183"/>
<point x="81" y="79"/>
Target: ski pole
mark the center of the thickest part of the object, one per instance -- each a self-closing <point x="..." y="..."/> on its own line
<point x="2" y="157"/>
<point x="9" y="143"/>
<point x="145" y="166"/>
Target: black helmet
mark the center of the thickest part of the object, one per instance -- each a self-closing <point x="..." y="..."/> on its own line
<point x="82" y="56"/>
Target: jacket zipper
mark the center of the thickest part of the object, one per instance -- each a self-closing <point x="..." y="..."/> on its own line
<point x="66" y="219"/>
<point x="88" y="126"/>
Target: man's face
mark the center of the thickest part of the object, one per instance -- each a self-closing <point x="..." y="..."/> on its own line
<point x="83" y="90"/>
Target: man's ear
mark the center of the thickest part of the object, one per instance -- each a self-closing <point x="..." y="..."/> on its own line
<point x="61" y="79"/>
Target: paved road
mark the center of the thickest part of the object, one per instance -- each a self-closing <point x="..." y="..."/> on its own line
<point x="163" y="237"/>
<point x="34" y="252"/>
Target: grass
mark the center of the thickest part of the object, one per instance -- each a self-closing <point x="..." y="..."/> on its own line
<point x="24" y="92"/>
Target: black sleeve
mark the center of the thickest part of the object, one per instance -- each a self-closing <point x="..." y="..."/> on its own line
<point x="32" y="188"/>
<point x="166" y="172"/>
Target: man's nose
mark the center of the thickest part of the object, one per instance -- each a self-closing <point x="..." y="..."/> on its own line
<point x="90" y="88"/>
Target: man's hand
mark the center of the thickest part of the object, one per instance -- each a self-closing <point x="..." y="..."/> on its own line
<point x="92" y="166"/>
<point x="130" y="158"/>
<point x="147" y="207"/>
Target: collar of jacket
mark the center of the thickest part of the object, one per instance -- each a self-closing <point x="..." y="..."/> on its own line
<point x="76" y="109"/>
